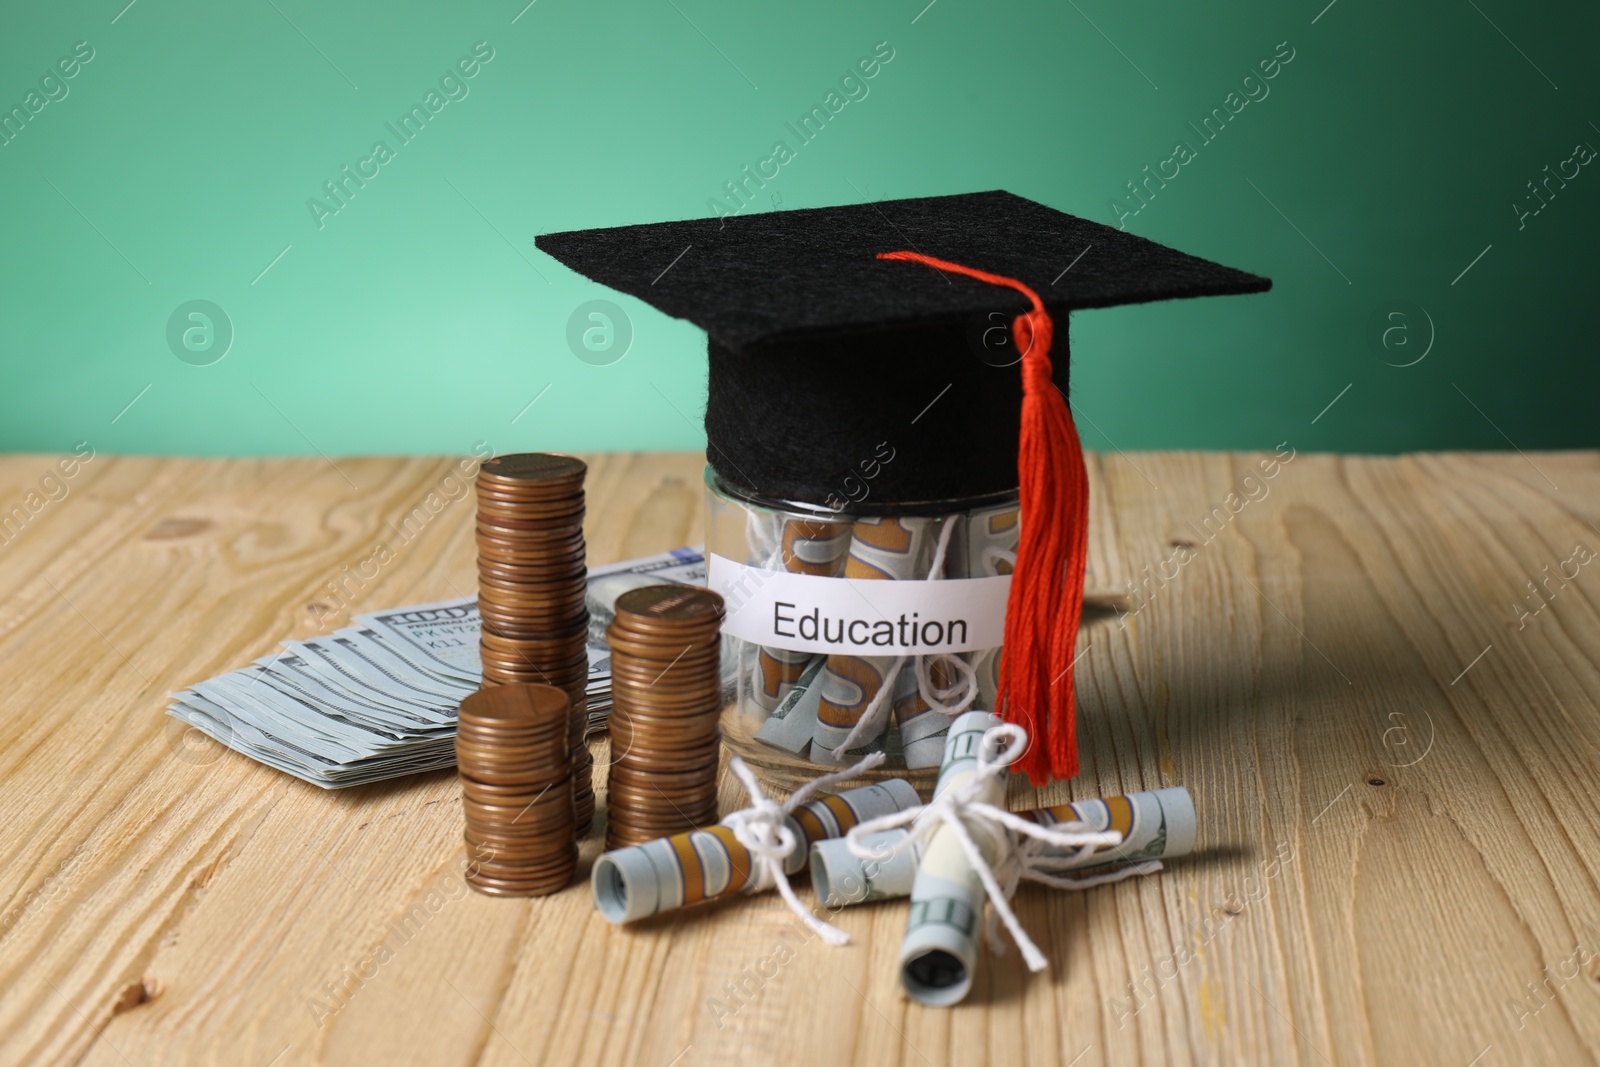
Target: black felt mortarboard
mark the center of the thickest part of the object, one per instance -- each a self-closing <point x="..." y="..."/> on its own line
<point x="825" y="343"/>
<point x="819" y="351"/>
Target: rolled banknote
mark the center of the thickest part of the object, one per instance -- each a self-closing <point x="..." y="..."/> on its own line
<point x="1154" y="825"/>
<point x="947" y="895"/>
<point x="794" y="721"/>
<point x="676" y="872"/>
<point x="886" y="549"/>
<point x="982" y="544"/>
<point x="922" y="728"/>
<point x="987" y="546"/>
<point x="814" y="546"/>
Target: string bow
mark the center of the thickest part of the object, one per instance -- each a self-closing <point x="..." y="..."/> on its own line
<point x="763" y="829"/>
<point x="1018" y="843"/>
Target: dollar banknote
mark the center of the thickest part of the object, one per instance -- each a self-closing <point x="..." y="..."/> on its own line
<point x="883" y="549"/>
<point x="947" y="896"/>
<point x="986" y="546"/>
<point x="691" y="868"/>
<point x="379" y="699"/>
<point x="812" y="546"/>
<point x="1154" y="825"/>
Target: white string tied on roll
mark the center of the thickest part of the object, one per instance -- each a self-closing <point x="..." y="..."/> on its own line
<point x="763" y="829"/>
<point x="1021" y="840"/>
<point x="963" y="691"/>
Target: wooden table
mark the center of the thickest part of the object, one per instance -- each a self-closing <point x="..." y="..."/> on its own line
<point x="1393" y="753"/>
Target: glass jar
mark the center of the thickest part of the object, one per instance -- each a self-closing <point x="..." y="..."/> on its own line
<point x="858" y="628"/>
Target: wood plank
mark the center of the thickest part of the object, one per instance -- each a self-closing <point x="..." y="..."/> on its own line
<point x="1391" y="737"/>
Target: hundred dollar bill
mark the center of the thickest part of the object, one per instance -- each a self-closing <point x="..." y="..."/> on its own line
<point x="1154" y="825"/>
<point x="987" y="546"/>
<point x="806" y="546"/>
<point x="983" y="544"/>
<point x="947" y="896"/>
<point x="888" y="549"/>
<point x="379" y="699"/>
<point x="794" y="721"/>
<point x="690" y="868"/>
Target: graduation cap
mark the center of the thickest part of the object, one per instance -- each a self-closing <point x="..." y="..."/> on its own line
<point x="835" y="330"/>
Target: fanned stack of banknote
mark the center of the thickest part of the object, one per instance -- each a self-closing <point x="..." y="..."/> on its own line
<point x="379" y="699"/>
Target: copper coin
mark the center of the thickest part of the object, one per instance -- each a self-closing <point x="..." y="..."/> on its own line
<point x="513" y="844"/>
<point x="566" y="679"/>
<point x="662" y="716"/>
<point x="646" y="803"/>
<point x="557" y="866"/>
<point x="530" y="625"/>
<point x="665" y="691"/>
<point x="555" y="870"/>
<point x="502" y="486"/>
<point x="532" y="794"/>
<point x="505" y="707"/>
<point x="683" y="605"/>
<point x="532" y="569"/>
<point x="541" y="883"/>
<point x="702" y="657"/>
<point x="499" y="493"/>
<point x="643" y="752"/>
<point x="515" y="819"/>
<point x="505" y="853"/>
<point x="520" y="468"/>
<point x="685" y="776"/>
<point x="662" y="713"/>
<point x="555" y="534"/>
<point x="567" y="639"/>
<point x="701" y="678"/>
<point x="635" y="742"/>
<point x="511" y="731"/>
<point x="538" y="770"/>
<point x="645" y="761"/>
<point x="500" y="513"/>
<point x="556" y="597"/>
<point x="668" y="648"/>
<point x="568" y="561"/>
<point x="571" y="682"/>
<point x="556" y="647"/>
<point x="533" y="503"/>
<point x="524" y="531"/>
<point x="477" y="793"/>
<point x="649" y="640"/>
<point x="531" y="750"/>
<point x="495" y="794"/>
<point x="552" y="552"/>
<point x="564" y="624"/>
<point x="507" y="496"/>
<point x="472" y="730"/>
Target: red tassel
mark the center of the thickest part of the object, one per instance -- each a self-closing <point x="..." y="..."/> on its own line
<point x="1036" y="683"/>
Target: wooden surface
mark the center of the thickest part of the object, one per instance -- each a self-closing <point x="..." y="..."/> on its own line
<point x="1395" y="772"/>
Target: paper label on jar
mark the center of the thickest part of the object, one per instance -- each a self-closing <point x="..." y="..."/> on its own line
<point x="814" y="613"/>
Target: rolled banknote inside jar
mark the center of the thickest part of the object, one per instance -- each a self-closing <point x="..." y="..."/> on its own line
<point x="1155" y="825"/>
<point x="947" y="895"/>
<point x="988" y="546"/>
<point x="885" y="549"/>
<point x="690" y="868"/>
<point x="805" y="546"/>
<point x="981" y="544"/>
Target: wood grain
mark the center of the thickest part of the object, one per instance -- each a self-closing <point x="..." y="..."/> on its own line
<point x="1394" y="759"/>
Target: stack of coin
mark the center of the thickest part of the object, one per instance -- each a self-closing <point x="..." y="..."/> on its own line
<point x="516" y="784"/>
<point x="666" y="701"/>
<point x="531" y="589"/>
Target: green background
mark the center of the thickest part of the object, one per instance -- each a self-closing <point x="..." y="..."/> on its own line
<point x="1387" y="156"/>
